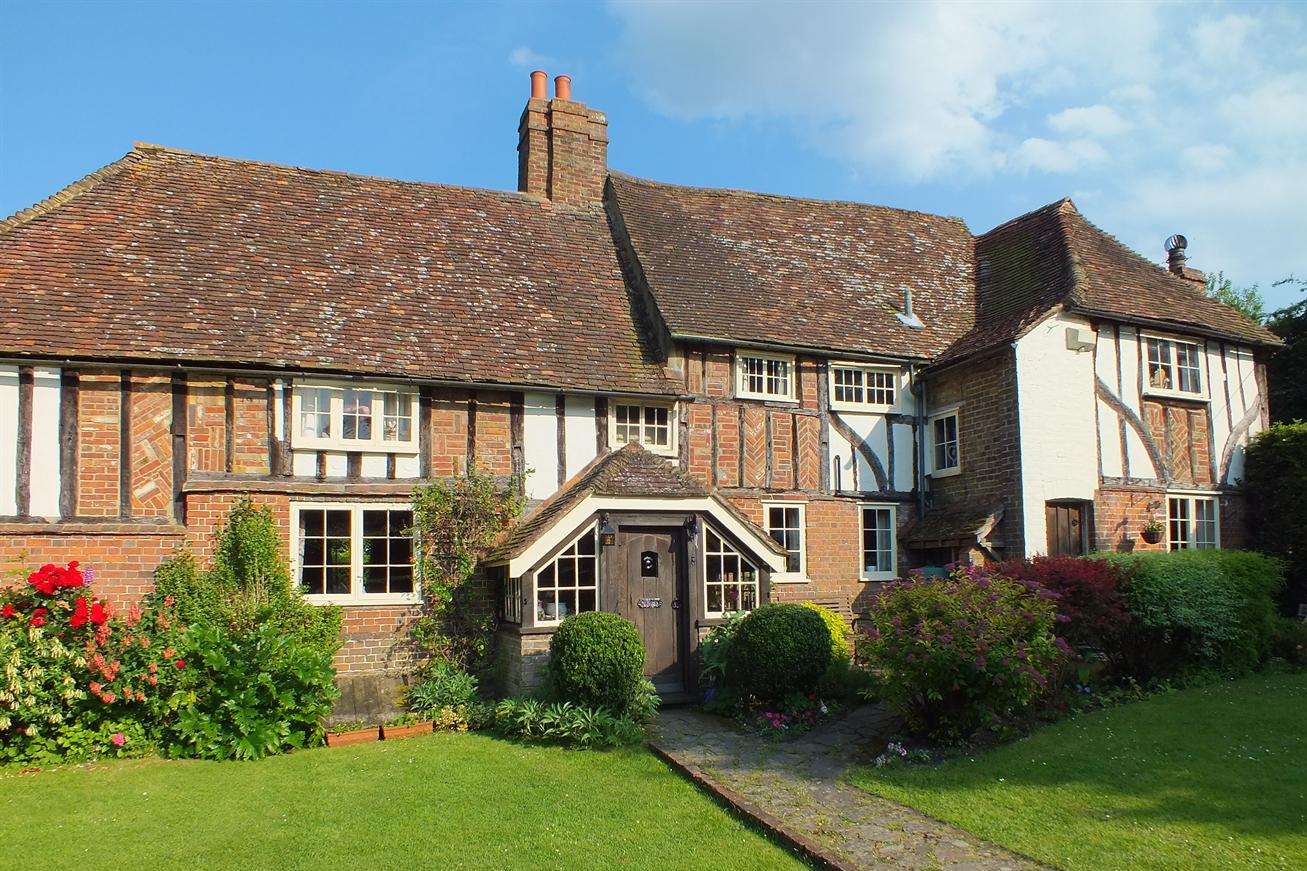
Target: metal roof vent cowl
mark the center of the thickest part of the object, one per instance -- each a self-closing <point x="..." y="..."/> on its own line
<point x="907" y="317"/>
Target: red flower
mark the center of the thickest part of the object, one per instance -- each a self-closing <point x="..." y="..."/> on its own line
<point x="7" y="610"/>
<point x="79" y="618"/>
<point x="98" y="614"/>
<point x="38" y="617"/>
<point x="43" y="581"/>
<point x="95" y="687"/>
<point x="181" y="663"/>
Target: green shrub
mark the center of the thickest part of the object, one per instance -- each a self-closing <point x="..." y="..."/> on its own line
<point x="596" y="659"/>
<point x="778" y="649"/>
<point x="841" y="646"/>
<point x="1200" y="609"/>
<point x="966" y="652"/>
<point x="713" y="649"/>
<point x="1275" y="478"/>
<point x="250" y="692"/>
<point x="1289" y="641"/>
<point x="443" y="685"/>
<point x="565" y="723"/>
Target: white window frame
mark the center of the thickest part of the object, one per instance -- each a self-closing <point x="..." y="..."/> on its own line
<point x="866" y="369"/>
<point x="673" y="424"/>
<point x="894" y="542"/>
<point x="956" y="413"/>
<point x="744" y="560"/>
<point x="1173" y="342"/>
<point x="356" y="596"/>
<point x="335" y="442"/>
<point x="788" y="577"/>
<point x="742" y="390"/>
<point x="591" y="530"/>
<point x="1192" y="497"/>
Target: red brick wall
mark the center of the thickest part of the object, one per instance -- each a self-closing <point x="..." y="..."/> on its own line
<point x="206" y="425"/>
<point x="250" y="454"/>
<point x="151" y="446"/>
<point x="122" y="557"/>
<point x="494" y="433"/>
<point x="1120" y="514"/>
<point x="449" y="434"/>
<point x="1179" y="430"/>
<point x="98" y="420"/>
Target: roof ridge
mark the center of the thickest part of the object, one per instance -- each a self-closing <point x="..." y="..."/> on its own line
<point x="1059" y="204"/>
<point x="764" y="195"/>
<point x="70" y="192"/>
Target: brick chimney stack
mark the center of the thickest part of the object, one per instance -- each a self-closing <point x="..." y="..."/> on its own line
<point x="562" y="147"/>
<point x="1176" y="259"/>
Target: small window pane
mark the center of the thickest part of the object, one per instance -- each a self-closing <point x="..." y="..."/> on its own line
<point x="311" y="579"/>
<point x="337" y="522"/>
<point x="401" y="579"/>
<point x="337" y="581"/>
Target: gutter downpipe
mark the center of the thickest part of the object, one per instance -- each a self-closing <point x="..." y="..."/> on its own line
<point x="919" y="391"/>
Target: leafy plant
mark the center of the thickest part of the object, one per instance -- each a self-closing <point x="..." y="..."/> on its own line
<point x="565" y="723"/>
<point x="596" y="659"/>
<point x="953" y="655"/>
<point x="778" y="649"/>
<point x="443" y="686"/>
<point x="1091" y="613"/>
<point x="1275" y="476"/>
<point x="713" y="649"/>
<point x="456" y="521"/>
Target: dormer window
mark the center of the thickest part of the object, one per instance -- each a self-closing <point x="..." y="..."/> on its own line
<point x="855" y="387"/>
<point x="354" y="417"/>
<point x="1174" y="367"/>
<point x="764" y="376"/>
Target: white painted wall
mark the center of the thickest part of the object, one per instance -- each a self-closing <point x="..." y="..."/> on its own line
<point x="1241" y="371"/>
<point x="1055" y="406"/>
<point x="581" y="434"/>
<point x="8" y="440"/>
<point x="374" y="465"/>
<point x="1132" y="385"/>
<point x="45" y="443"/>
<point x="903" y="447"/>
<point x="1111" y="463"/>
<point x="304" y="463"/>
<point x="540" y="444"/>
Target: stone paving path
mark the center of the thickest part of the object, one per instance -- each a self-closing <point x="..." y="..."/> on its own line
<point x="801" y="784"/>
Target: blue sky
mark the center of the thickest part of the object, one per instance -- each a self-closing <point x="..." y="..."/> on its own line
<point x="1156" y="119"/>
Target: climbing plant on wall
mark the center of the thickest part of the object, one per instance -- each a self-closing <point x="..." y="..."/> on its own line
<point x="456" y="521"/>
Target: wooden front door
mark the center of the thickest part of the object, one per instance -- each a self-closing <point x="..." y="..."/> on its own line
<point x="652" y="596"/>
<point x="1067" y="533"/>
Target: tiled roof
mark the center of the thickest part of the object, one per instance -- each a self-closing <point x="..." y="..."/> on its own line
<point x="1053" y="256"/>
<point x="167" y="255"/>
<point x="630" y="471"/>
<point x="752" y="267"/>
<point x="965" y="523"/>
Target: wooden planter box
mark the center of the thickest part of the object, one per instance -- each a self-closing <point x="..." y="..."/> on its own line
<point x="423" y="728"/>
<point x="358" y="736"/>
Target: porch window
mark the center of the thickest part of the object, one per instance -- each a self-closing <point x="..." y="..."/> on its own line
<point x="511" y="606"/>
<point x="764" y="376"/>
<point x="879" y="546"/>
<point x="1193" y="522"/>
<point x="354" y="554"/>
<point x="945" y="444"/>
<point x="570" y="583"/>
<point x="651" y="425"/>
<point x="354" y="418"/>
<point x="730" y="580"/>
<point x="862" y="388"/>
<point x="1174" y="367"/>
<point x="785" y="524"/>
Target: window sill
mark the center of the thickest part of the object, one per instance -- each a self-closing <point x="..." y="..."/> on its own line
<point x="879" y="577"/>
<point x="669" y="452"/>
<point x="947" y="473"/>
<point x="364" y="600"/>
<point x="863" y="409"/>
<point x="762" y="397"/>
<point x="360" y="447"/>
<point x="1175" y="394"/>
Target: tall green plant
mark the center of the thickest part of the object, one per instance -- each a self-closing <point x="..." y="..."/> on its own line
<point x="1275" y="476"/>
<point x="456" y="522"/>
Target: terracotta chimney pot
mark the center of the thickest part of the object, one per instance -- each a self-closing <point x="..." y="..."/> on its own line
<point x="539" y="84"/>
<point x="562" y="87"/>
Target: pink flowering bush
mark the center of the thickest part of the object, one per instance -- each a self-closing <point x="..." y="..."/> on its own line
<point x="963" y="653"/>
<point x="77" y="680"/>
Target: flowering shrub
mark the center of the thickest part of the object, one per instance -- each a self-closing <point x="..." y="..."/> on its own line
<point x="79" y="681"/>
<point x="795" y="714"/>
<point x="1091" y="611"/>
<point x="895" y="752"/>
<point x="961" y="653"/>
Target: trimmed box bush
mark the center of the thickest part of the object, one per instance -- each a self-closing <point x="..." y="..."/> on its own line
<point x="596" y="659"/>
<point x="778" y="649"/>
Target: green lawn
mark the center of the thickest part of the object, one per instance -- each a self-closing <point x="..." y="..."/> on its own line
<point x="1205" y="778"/>
<point x="434" y="801"/>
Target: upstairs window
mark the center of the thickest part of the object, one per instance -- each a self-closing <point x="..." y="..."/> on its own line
<point x="1193" y="522"/>
<point x="945" y="445"/>
<point x="862" y="388"/>
<point x="764" y="376"/>
<point x="730" y="580"/>
<point x="785" y="524"/>
<point x="354" y="418"/>
<point x="653" y="426"/>
<point x="879" y="548"/>
<point x="1174" y="367"/>
<point x="570" y="583"/>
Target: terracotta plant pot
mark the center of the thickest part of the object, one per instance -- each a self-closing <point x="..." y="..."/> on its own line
<point x="357" y="736"/>
<point x="423" y="728"/>
<point x="1152" y="536"/>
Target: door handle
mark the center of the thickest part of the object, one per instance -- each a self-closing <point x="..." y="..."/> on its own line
<point x="676" y="604"/>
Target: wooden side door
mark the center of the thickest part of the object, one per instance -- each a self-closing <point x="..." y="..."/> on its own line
<point x="1067" y="533"/>
<point x="654" y="600"/>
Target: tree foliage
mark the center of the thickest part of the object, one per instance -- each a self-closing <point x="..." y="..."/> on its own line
<point x="1284" y="371"/>
<point x="1247" y="301"/>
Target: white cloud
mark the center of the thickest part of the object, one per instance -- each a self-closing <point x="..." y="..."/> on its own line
<point x="527" y="58"/>
<point x="1097" y="120"/>
<point x="1152" y="107"/>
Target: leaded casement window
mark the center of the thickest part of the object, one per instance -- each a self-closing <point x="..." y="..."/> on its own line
<point x="1193" y="522"/>
<point x="1174" y="367"/>
<point x="730" y="580"/>
<point x="764" y="376"/>
<point x="862" y="388"/>
<point x="879" y="543"/>
<point x="354" y="553"/>
<point x="653" y="426"/>
<point x="785" y="522"/>
<point x="354" y="418"/>
<point x="569" y="583"/>
<point x="945" y="445"/>
<point x="511" y="606"/>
